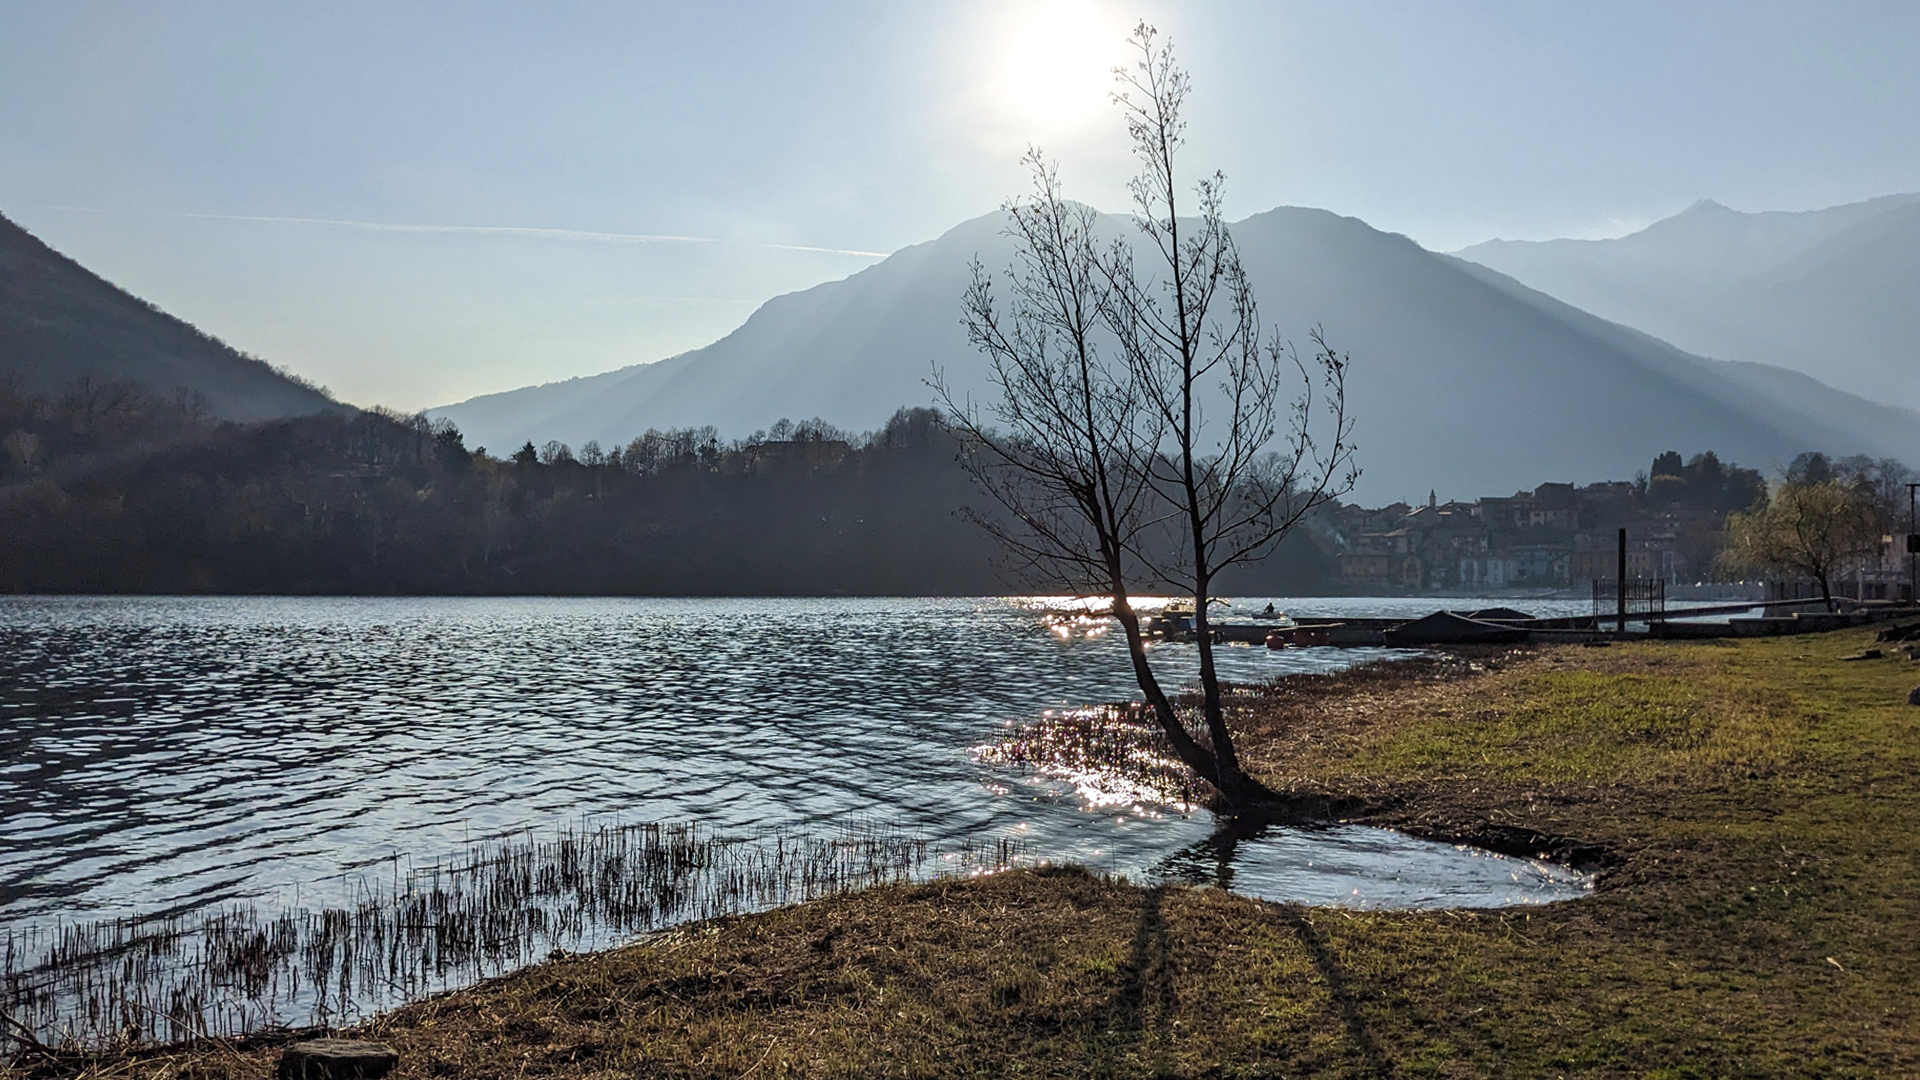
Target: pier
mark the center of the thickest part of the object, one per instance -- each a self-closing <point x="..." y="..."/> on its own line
<point x="1470" y="627"/>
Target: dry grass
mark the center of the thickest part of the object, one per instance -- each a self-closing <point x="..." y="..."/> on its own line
<point x="1761" y="802"/>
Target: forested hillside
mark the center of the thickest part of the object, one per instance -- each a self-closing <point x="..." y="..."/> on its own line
<point x="60" y="323"/>
<point x="109" y="489"/>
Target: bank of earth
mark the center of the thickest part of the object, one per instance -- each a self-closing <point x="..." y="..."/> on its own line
<point x="1756" y="805"/>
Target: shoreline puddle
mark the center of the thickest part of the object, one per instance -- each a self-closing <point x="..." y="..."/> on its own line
<point x="1113" y="760"/>
<point x="1360" y="866"/>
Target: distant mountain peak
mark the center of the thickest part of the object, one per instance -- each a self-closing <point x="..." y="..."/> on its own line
<point x="1825" y="292"/>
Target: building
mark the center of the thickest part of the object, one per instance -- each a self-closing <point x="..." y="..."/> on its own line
<point x="1557" y="536"/>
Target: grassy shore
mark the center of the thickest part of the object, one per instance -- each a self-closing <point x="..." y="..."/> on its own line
<point x="1756" y="805"/>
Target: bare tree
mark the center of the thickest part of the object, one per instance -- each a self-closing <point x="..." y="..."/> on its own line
<point x="1886" y="479"/>
<point x="1807" y="527"/>
<point x="1064" y="448"/>
<point x="1183" y="455"/>
<point x="1241" y="463"/>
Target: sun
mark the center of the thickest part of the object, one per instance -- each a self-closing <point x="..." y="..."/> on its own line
<point x="1057" y="67"/>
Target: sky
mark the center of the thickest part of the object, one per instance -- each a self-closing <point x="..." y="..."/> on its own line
<point x="416" y="203"/>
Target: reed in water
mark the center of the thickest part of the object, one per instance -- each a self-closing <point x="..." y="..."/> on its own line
<point x="1113" y="753"/>
<point x="505" y="903"/>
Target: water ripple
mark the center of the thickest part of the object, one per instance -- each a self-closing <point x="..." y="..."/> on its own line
<point x="162" y="753"/>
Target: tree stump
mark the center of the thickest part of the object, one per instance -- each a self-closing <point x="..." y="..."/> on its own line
<point x="336" y="1059"/>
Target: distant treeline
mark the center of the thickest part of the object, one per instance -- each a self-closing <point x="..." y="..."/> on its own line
<point x="1703" y="484"/>
<point x="108" y="489"/>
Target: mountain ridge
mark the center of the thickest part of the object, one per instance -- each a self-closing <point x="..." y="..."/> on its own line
<point x="1824" y="292"/>
<point x="1461" y="380"/>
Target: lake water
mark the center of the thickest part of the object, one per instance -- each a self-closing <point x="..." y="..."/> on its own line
<point x="169" y="754"/>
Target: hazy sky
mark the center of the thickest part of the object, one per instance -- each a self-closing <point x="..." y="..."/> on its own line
<point x="414" y="203"/>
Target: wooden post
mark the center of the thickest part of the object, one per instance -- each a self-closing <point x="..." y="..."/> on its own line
<point x="1913" y="548"/>
<point x="1620" y="582"/>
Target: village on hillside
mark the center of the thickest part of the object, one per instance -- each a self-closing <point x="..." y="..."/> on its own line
<point x="1563" y="537"/>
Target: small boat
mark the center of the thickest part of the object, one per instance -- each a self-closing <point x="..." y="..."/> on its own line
<point x="1171" y="621"/>
<point x="1175" y="621"/>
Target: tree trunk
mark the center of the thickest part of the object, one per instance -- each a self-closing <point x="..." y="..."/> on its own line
<point x="1225" y="757"/>
<point x="1221" y="769"/>
<point x="1193" y="755"/>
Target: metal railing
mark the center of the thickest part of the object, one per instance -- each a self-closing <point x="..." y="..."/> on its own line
<point x="1634" y="600"/>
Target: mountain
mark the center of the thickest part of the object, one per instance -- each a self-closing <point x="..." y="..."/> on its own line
<point x="1463" y="379"/>
<point x="1826" y="292"/>
<point x="849" y="351"/>
<point x="60" y="323"/>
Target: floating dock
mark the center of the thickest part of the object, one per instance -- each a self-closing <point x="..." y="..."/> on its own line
<point x="1459" y="627"/>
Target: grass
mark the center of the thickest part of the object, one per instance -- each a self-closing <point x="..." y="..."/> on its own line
<point x="1758" y="804"/>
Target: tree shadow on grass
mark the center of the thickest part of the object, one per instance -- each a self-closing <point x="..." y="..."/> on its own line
<point x="1141" y="1008"/>
<point x="1211" y="862"/>
<point x="1340" y="990"/>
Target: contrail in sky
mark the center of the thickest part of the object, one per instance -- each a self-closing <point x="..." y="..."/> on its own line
<point x="500" y="230"/>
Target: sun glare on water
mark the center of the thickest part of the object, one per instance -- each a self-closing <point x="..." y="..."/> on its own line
<point x="1057" y="68"/>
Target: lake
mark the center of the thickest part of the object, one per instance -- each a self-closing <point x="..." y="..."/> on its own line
<point x="169" y="754"/>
